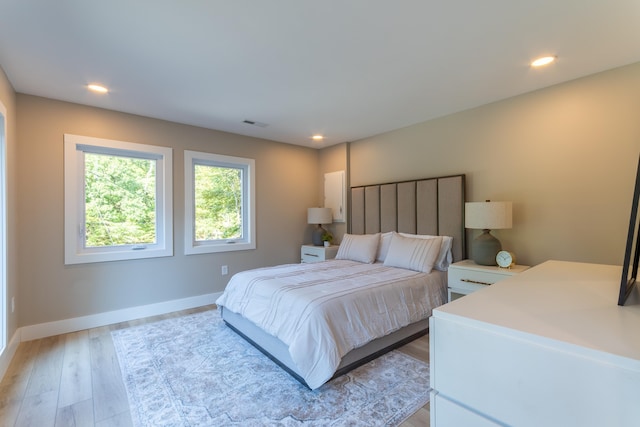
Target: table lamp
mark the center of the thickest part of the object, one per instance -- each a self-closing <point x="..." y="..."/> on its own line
<point x="319" y="216"/>
<point x="486" y="216"/>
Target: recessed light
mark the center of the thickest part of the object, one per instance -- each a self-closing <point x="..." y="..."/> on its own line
<point x="317" y="137"/>
<point x="545" y="60"/>
<point x="97" y="88"/>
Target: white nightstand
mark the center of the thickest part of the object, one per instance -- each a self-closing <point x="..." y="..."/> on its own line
<point x="466" y="276"/>
<point x="310" y="253"/>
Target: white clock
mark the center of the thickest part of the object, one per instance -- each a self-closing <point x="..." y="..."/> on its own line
<point x="505" y="259"/>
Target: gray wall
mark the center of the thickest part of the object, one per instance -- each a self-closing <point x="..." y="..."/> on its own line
<point x="332" y="159"/>
<point x="286" y="185"/>
<point x="566" y="156"/>
<point x="8" y="99"/>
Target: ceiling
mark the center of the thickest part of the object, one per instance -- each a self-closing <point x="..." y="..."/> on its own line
<point x="348" y="69"/>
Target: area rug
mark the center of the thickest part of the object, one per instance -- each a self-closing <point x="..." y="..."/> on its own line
<point x="195" y="371"/>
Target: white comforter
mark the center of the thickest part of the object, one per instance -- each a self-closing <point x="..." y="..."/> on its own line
<point x="321" y="311"/>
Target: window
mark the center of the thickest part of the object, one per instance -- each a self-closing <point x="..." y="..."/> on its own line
<point x="219" y="205"/>
<point x="118" y="200"/>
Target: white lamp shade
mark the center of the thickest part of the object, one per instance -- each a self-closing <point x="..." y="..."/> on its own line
<point x="319" y="216"/>
<point x="487" y="215"/>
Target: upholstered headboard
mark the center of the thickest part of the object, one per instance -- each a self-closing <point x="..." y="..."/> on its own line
<point x="432" y="206"/>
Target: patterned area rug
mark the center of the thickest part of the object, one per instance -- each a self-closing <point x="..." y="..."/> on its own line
<point x="195" y="371"/>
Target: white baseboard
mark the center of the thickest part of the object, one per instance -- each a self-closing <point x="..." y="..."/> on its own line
<point x="32" y="332"/>
<point x="8" y="353"/>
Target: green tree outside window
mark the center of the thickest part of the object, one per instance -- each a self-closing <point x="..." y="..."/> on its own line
<point x="120" y="200"/>
<point x="218" y="202"/>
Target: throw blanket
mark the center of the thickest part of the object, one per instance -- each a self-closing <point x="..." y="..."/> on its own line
<point x="321" y="311"/>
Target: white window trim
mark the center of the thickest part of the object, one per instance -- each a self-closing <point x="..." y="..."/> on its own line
<point x="4" y="321"/>
<point x="74" y="250"/>
<point x="191" y="246"/>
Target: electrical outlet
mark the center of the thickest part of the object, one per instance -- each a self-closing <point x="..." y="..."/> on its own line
<point x="225" y="270"/>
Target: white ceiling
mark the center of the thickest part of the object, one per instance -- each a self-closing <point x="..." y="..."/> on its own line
<point x="347" y="69"/>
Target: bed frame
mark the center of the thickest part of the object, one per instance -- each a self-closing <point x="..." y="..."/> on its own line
<point x="432" y="206"/>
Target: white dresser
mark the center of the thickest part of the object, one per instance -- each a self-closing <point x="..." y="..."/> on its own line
<point x="547" y="347"/>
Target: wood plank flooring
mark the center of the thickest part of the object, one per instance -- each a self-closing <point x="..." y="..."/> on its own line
<point x="74" y="380"/>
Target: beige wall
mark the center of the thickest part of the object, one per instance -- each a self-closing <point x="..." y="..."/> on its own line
<point x="566" y="156"/>
<point x="8" y="99"/>
<point x="286" y="185"/>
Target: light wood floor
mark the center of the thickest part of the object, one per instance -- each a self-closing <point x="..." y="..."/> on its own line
<point x="74" y="380"/>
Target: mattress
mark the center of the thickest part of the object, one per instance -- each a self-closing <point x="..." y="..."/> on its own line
<point x="322" y="311"/>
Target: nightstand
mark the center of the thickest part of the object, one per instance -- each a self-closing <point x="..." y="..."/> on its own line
<point x="310" y="253"/>
<point x="466" y="276"/>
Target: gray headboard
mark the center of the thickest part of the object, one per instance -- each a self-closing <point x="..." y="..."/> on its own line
<point x="432" y="206"/>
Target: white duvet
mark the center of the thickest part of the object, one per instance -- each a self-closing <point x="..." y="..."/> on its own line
<point x="321" y="311"/>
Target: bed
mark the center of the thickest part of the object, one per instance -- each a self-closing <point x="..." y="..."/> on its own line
<point x="320" y="320"/>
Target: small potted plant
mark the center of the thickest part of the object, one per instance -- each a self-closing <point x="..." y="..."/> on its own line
<point x="327" y="238"/>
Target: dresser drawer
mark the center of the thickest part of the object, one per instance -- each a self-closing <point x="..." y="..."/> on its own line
<point x="466" y="276"/>
<point x="309" y="253"/>
<point x="469" y="279"/>
<point x="447" y="413"/>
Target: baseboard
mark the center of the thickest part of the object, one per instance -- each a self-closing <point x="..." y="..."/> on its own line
<point x="8" y="353"/>
<point x="32" y="332"/>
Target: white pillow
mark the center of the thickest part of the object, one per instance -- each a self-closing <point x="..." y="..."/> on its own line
<point x="359" y="247"/>
<point x="444" y="257"/>
<point x="383" y="246"/>
<point x="413" y="253"/>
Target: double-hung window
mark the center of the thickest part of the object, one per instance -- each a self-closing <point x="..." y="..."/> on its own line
<point x="118" y="200"/>
<point x="219" y="203"/>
